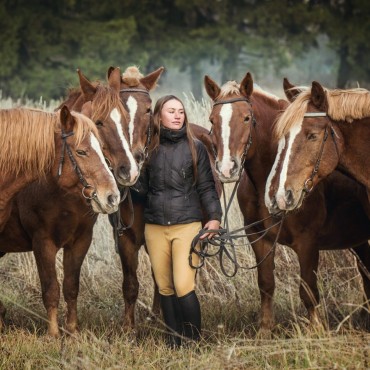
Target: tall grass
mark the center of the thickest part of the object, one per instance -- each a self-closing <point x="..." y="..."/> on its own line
<point x="230" y="308"/>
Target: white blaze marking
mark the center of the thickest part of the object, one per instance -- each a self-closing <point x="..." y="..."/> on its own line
<point x="116" y="117"/>
<point x="272" y="174"/>
<point x="96" y="146"/>
<point x="132" y="108"/>
<point x="226" y="164"/>
<point x="294" y="131"/>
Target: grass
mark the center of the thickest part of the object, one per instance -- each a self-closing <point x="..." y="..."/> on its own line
<point x="230" y="308"/>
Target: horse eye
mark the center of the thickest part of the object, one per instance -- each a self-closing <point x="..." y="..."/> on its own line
<point x="312" y="137"/>
<point x="211" y="120"/>
<point x="247" y="119"/>
<point x="99" y="123"/>
<point x="80" y="152"/>
<point x="148" y="110"/>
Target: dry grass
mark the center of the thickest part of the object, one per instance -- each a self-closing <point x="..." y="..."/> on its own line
<point x="230" y="308"/>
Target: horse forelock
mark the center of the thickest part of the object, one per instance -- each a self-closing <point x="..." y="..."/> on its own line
<point x="27" y="141"/>
<point x="83" y="127"/>
<point x="293" y="115"/>
<point x="348" y="105"/>
<point x="106" y="99"/>
<point x="229" y="88"/>
<point x="131" y="76"/>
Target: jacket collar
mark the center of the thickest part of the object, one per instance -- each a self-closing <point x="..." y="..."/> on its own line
<point x="167" y="134"/>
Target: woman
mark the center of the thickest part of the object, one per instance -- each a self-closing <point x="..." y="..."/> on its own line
<point x="178" y="183"/>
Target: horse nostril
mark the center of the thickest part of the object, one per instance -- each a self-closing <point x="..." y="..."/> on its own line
<point x="217" y="165"/>
<point x="112" y="199"/>
<point x="234" y="167"/>
<point x="123" y="173"/>
<point x="139" y="157"/>
<point x="289" y="197"/>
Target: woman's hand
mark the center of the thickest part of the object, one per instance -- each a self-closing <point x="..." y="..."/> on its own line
<point x="211" y="225"/>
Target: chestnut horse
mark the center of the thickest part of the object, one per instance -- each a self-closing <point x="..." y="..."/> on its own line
<point x="31" y="145"/>
<point x="242" y="117"/>
<point x="321" y="130"/>
<point x="46" y="218"/>
<point x="135" y="94"/>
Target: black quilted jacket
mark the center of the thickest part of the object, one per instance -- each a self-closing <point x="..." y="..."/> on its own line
<point x="168" y="182"/>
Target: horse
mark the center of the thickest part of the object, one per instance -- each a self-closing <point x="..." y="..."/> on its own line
<point x="31" y="145"/>
<point x="320" y="131"/>
<point x="242" y="118"/>
<point x="135" y="94"/>
<point x="46" y="218"/>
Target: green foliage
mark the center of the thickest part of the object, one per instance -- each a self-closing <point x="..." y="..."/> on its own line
<point x="43" y="42"/>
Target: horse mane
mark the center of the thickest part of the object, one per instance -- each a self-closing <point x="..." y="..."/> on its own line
<point x="27" y="143"/>
<point x="348" y="105"/>
<point x="131" y="76"/>
<point x="343" y="105"/>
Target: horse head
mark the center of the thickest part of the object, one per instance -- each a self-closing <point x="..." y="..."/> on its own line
<point x="135" y="95"/>
<point x="103" y="105"/>
<point x="231" y="119"/>
<point x="80" y="164"/>
<point x="308" y="149"/>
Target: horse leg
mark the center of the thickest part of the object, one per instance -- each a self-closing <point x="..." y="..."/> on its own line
<point x="308" y="260"/>
<point x="363" y="253"/>
<point x="2" y="307"/>
<point x="45" y="254"/>
<point x="128" y="251"/>
<point x="73" y="258"/>
<point x="266" y="284"/>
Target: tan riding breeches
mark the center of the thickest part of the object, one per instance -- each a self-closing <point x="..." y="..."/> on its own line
<point x="168" y="248"/>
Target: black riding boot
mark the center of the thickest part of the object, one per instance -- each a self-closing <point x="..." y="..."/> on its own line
<point x="172" y="317"/>
<point x="190" y="310"/>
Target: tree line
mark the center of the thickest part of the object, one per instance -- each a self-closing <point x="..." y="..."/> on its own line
<point x="42" y="42"/>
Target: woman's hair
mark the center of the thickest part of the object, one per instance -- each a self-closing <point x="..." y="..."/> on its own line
<point x="157" y="129"/>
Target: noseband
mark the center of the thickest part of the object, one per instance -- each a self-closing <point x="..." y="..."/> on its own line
<point x="149" y="132"/>
<point x="66" y="148"/>
<point x="308" y="184"/>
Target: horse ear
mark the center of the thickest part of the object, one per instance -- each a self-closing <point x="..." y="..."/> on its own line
<point x="87" y="88"/>
<point x="150" y="81"/>
<point x="318" y="96"/>
<point x="246" y="86"/>
<point x="213" y="90"/>
<point x="110" y="69"/>
<point x="291" y="92"/>
<point x="67" y="121"/>
<point x="114" y="78"/>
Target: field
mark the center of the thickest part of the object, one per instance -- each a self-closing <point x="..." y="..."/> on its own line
<point x="230" y="308"/>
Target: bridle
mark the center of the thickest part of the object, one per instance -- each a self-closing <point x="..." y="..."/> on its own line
<point x="308" y="184"/>
<point x="66" y="148"/>
<point x="150" y="126"/>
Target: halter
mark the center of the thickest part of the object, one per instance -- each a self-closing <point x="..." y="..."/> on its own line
<point x="308" y="184"/>
<point x="66" y="147"/>
<point x="149" y="132"/>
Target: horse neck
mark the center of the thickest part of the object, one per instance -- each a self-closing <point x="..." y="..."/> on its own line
<point x="355" y="150"/>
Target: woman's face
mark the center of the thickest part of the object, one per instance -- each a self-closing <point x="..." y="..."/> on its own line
<point x="172" y="114"/>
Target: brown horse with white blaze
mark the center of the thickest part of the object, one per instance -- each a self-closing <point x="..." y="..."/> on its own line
<point x="243" y="119"/>
<point x="135" y="94"/>
<point x="45" y="218"/>
<point x="320" y="131"/>
<point x="31" y="145"/>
